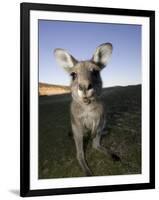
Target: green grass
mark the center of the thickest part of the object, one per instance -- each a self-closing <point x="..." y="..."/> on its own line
<point x="57" y="153"/>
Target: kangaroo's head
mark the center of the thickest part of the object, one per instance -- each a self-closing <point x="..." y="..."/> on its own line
<point x="86" y="83"/>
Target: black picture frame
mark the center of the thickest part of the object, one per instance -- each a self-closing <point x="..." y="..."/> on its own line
<point x="25" y="9"/>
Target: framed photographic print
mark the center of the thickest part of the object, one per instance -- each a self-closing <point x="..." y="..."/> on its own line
<point x="87" y="99"/>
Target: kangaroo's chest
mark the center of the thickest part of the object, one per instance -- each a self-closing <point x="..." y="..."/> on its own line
<point x="91" y="119"/>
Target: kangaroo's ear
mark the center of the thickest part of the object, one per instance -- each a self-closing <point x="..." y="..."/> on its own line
<point x="64" y="59"/>
<point x="102" y="54"/>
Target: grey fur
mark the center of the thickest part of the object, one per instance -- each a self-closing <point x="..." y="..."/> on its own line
<point x="87" y="110"/>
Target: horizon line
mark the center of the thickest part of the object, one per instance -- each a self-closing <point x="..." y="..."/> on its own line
<point x="103" y="86"/>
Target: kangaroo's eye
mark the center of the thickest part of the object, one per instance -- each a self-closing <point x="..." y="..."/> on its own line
<point x="74" y="75"/>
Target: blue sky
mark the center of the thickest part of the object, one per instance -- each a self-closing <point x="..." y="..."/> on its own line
<point x="81" y="39"/>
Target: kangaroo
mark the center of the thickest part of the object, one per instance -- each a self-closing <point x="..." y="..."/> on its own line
<point x="87" y="109"/>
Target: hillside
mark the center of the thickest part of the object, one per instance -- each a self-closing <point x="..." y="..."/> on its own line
<point x="57" y="153"/>
<point x="48" y="89"/>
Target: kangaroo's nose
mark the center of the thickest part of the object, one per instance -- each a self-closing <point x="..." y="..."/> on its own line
<point x="89" y="86"/>
<point x="86" y="86"/>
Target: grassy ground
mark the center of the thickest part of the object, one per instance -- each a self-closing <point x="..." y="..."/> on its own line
<point x="57" y="153"/>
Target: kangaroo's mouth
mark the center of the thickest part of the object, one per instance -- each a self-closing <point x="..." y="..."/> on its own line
<point x="87" y="100"/>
